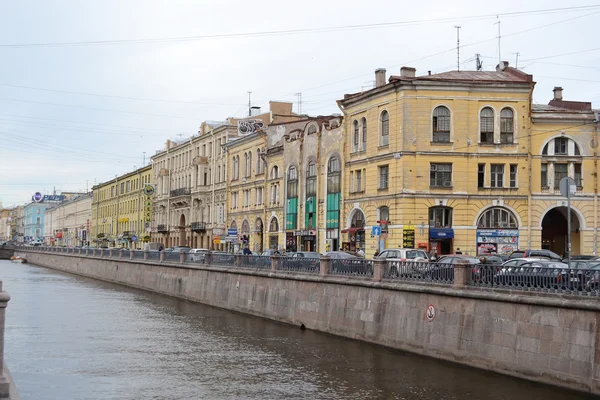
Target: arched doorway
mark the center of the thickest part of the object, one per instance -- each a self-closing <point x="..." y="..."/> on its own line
<point x="554" y="231"/>
<point x="258" y="230"/>
<point x="245" y="237"/>
<point x="356" y="231"/>
<point x="273" y="233"/>
<point x="497" y="231"/>
<point x="182" y="239"/>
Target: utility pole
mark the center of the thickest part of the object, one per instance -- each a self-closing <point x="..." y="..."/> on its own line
<point x="249" y="104"/>
<point x="299" y="95"/>
<point x="499" y="37"/>
<point x="457" y="47"/>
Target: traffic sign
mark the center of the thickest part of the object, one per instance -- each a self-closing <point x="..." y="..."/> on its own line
<point x="430" y="313"/>
<point x="134" y="238"/>
<point x="376" y="231"/>
<point x="567" y="186"/>
<point x="232" y="232"/>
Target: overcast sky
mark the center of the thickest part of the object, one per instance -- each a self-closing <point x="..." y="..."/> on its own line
<point x="104" y="104"/>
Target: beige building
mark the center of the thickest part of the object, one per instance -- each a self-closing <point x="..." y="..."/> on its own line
<point x="5" y="222"/>
<point x="190" y="205"/>
<point x="69" y="223"/>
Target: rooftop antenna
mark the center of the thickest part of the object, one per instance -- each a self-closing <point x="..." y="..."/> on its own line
<point x="499" y="37"/>
<point x="457" y="46"/>
<point x="478" y="62"/>
<point x="517" y="54"/>
<point x="249" y="104"/>
<point x="299" y="94"/>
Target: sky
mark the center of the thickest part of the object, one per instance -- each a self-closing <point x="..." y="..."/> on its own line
<point x="86" y="87"/>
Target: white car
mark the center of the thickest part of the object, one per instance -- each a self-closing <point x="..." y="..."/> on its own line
<point x="403" y="255"/>
<point x="197" y="255"/>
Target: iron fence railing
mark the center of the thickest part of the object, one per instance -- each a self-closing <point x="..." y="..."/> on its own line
<point x="414" y="271"/>
<point x="153" y="255"/>
<point x="198" y="257"/>
<point x="582" y="282"/>
<point x="138" y="254"/>
<point x="260" y="262"/>
<point x="351" y="266"/>
<point x="172" y="256"/>
<point x="225" y="259"/>
<point x="296" y="264"/>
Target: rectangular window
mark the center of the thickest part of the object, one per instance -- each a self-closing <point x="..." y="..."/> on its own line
<point x="259" y="196"/>
<point x="497" y="175"/>
<point x="481" y="175"/>
<point x="578" y="176"/>
<point x="234" y="200"/>
<point x="128" y="187"/>
<point x="203" y="150"/>
<point x="359" y="181"/>
<point x="506" y="137"/>
<point x="291" y="219"/>
<point x="38" y="220"/>
<point x="560" y="146"/>
<point x="544" y="177"/>
<point x="513" y="175"/>
<point x="351" y="181"/>
<point x="560" y="171"/>
<point x="383" y="177"/>
<point x="440" y="175"/>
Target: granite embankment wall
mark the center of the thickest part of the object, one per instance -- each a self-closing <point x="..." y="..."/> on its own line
<point x="546" y="338"/>
<point x="6" y="254"/>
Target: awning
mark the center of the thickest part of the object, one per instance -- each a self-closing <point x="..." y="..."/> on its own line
<point x="353" y="230"/>
<point x="441" y="233"/>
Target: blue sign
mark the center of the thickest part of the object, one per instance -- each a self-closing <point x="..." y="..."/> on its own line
<point x="376" y="231"/>
<point x="134" y="238"/>
<point x="497" y="232"/>
<point x="441" y="233"/>
<point x="232" y="232"/>
<point x="39" y="198"/>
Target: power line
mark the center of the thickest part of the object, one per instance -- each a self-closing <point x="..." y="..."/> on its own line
<point x="298" y="31"/>
<point x="563" y="54"/>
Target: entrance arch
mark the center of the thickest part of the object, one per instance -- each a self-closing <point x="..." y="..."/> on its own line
<point x="182" y="239"/>
<point x="356" y="230"/>
<point x="258" y="243"/>
<point x="554" y="231"/>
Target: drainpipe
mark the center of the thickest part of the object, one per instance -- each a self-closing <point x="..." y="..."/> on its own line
<point x="317" y="183"/>
<point x="597" y="120"/>
<point x="529" y="166"/>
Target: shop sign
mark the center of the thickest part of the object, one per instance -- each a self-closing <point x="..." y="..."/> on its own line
<point x="217" y="241"/>
<point x="497" y="232"/>
<point x="217" y="231"/>
<point x="408" y="236"/>
<point x="305" y="233"/>
<point x="123" y="220"/>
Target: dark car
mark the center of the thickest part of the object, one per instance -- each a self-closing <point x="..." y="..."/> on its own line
<point x="587" y="273"/>
<point x="443" y="269"/>
<point x="547" y="274"/>
<point x="581" y="257"/>
<point x="543" y="254"/>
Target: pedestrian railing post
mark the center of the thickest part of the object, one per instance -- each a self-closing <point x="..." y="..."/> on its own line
<point x="182" y="257"/>
<point x="131" y="253"/>
<point x="161" y="256"/>
<point x="237" y="260"/>
<point x="275" y="258"/>
<point x="146" y="254"/>
<point x="462" y="275"/>
<point x="324" y="265"/>
<point x="4" y="381"/>
<point x="379" y="269"/>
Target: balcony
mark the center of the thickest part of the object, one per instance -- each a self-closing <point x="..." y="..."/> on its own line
<point x="198" y="227"/>
<point x="200" y="160"/>
<point x="180" y="192"/>
<point x="162" y="229"/>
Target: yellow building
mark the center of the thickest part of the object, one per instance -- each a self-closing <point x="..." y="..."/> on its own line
<point x="451" y="161"/>
<point x="122" y="209"/>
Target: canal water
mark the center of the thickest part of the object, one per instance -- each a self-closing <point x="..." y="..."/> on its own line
<point x="69" y="337"/>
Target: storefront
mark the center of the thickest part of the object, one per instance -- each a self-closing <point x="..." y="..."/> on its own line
<point x="274" y="234"/>
<point x="497" y="241"/>
<point x="440" y="240"/>
<point x="307" y="240"/>
<point x="290" y="242"/>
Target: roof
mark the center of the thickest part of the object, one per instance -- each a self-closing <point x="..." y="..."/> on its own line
<point x="572" y="105"/>
<point x="549" y="108"/>
<point x="508" y="75"/>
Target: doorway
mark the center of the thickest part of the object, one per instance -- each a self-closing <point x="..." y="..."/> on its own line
<point x="554" y="231"/>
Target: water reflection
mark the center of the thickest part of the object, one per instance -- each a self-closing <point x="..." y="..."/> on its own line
<point x="69" y="337"/>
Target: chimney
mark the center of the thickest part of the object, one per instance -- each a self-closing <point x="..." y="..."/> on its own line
<point x="168" y="144"/>
<point x="379" y="77"/>
<point x="254" y="110"/>
<point x="557" y="93"/>
<point x="502" y="66"/>
<point x="407" y="72"/>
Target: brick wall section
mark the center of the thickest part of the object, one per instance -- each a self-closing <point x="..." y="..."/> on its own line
<point x="549" y="339"/>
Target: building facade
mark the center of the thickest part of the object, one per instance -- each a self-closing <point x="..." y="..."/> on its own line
<point x="33" y="216"/>
<point x="191" y="200"/>
<point x="456" y="161"/>
<point x="69" y="222"/>
<point x="122" y="210"/>
<point x="19" y="223"/>
<point x="279" y="190"/>
<point x="5" y="224"/>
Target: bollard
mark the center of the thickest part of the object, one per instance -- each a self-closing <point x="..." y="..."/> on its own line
<point x="462" y="275"/>
<point x="4" y="382"/>
<point x="161" y="256"/>
<point x="131" y="254"/>
<point x="379" y="269"/>
<point x="208" y="258"/>
<point x="146" y="254"/>
<point x="237" y="260"/>
<point x="110" y="253"/>
<point x="275" y="258"/>
<point x="182" y="257"/>
<point x="94" y="252"/>
<point x="325" y="265"/>
<point x="101" y="253"/>
<point x="121" y="251"/>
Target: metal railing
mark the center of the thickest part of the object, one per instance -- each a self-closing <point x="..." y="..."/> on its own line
<point x="199" y="258"/>
<point x="296" y="264"/>
<point x="222" y="259"/>
<point x="153" y="255"/>
<point x="260" y="262"/>
<point x="180" y="192"/>
<point x="351" y="266"/>
<point x="171" y="256"/>
<point x="582" y="282"/>
<point x="138" y="254"/>
<point x="413" y="271"/>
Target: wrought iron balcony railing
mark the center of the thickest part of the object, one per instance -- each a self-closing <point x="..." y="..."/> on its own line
<point x="198" y="226"/>
<point x="162" y="228"/>
<point x="180" y="192"/>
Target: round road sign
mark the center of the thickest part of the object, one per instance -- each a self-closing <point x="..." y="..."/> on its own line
<point x="430" y="313"/>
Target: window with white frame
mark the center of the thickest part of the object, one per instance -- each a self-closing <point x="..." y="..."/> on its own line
<point x="497" y="175"/>
<point x="384" y="176"/>
<point x="486" y="126"/>
<point x="385" y="128"/>
<point x="440" y="175"/>
<point x="507" y="126"/>
<point x="513" y="176"/>
<point x="355" y="136"/>
<point x="441" y="125"/>
<point x="364" y="134"/>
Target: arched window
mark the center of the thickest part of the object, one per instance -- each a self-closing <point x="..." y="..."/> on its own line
<point x="363" y="122"/>
<point x="233" y="225"/>
<point x="497" y="217"/>
<point x="245" y="226"/>
<point x="441" y="125"/>
<point x="565" y="160"/>
<point x="440" y="217"/>
<point x="291" y="218"/>
<point x="355" y="136"/>
<point x="486" y="126"/>
<point x="245" y="165"/>
<point x="219" y="174"/>
<point x="385" y="128"/>
<point x="274" y="225"/>
<point x="311" y="180"/>
<point x="259" y="163"/>
<point x="358" y="220"/>
<point x="333" y="175"/>
<point x="507" y="126"/>
<point x="292" y="182"/>
<point x="275" y="172"/>
<point x="249" y="165"/>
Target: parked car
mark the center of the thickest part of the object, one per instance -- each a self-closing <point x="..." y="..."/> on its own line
<point x="340" y="255"/>
<point x="197" y="255"/>
<point x="443" y="269"/>
<point x="541" y="254"/>
<point x="538" y="273"/>
<point x="181" y="249"/>
<point x="270" y="252"/>
<point x="578" y="257"/>
<point x="306" y="254"/>
<point x="403" y="255"/>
